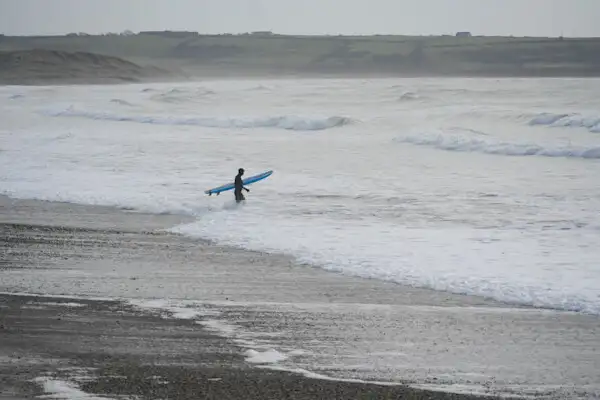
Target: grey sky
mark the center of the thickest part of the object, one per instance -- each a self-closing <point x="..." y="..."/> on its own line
<point x="487" y="17"/>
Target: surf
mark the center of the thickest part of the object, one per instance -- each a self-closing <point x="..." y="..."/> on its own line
<point x="285" y="122"/>
<point x="465" y="144"/>
<point x="568" y="120"/>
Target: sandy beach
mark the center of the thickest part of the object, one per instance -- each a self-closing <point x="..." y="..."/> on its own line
<point x="232" y="304"/>
<point x="58" y="347"/>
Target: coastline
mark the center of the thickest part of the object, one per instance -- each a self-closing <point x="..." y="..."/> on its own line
<point x="57" y="347"/>
<point x="191" y="55"/>
<point x="77" y="252"/>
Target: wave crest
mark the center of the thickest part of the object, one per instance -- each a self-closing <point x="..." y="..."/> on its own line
<point x="177" y="95"/>
<point x="260" y="88"/>
<point x="409" y="96"/>
<point x="567" y="120"/>
<point x="466" y="144"/>
<point x="288" y="122"/>
<point x="121" y="102"/>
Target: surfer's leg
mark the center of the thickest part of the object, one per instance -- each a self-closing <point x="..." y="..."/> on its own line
<point x="239" y="196"/>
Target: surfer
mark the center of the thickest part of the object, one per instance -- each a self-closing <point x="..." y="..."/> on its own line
<point x="239" y="185"/>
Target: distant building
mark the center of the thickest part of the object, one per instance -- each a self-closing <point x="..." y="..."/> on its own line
<point x="171" y="34"/>
<point x="463" y="34"/>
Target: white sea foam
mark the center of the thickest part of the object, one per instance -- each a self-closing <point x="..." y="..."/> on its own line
<point x="266" y="357"/>
<point x="59" y="389"/>
<point x="256" y="347"/>
<point x="460" y="143"/>
<point x="179" y="310"/>
<point x="288" y="122"/>
<point x="314" y="375"/>
<point x="222" y="328"/>
<point x="578" y="121"/>
<point x="55" y="304"/>
<point x="391" y="252"/>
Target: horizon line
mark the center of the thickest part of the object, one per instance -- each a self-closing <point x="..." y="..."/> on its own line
<point x="267" y="33"/>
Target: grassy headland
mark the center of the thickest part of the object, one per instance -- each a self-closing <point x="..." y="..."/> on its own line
<point x="193" y="55"/>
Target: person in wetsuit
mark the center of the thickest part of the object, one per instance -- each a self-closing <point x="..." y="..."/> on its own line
<point x="239" y="186"/>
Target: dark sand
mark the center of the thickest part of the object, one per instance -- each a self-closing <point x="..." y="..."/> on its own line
<point x="57" y="248"/>
<point x="124" y="353"/>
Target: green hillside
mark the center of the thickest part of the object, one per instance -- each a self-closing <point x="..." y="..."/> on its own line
<point x="376" y="55"/>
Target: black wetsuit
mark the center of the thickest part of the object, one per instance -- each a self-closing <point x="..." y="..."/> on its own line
<point x="239" y="185"/>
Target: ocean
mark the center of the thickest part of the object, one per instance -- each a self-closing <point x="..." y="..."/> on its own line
<point x="483" y="187"/>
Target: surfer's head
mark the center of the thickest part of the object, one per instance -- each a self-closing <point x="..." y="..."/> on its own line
<point x="241" y="171"/>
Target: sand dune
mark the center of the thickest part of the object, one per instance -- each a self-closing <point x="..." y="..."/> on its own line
<point x="43" y="66"/>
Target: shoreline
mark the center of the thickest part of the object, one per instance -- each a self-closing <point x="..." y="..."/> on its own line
<point x="55" y="347"/>
<point x="232" y="302"/>
<point x="33" y="219"/>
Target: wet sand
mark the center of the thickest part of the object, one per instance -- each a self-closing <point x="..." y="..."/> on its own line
<point x="107" y="348"/>
<point x="62" y="249"/>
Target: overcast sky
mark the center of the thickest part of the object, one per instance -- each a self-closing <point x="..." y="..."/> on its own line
<point x="422" y="17"/>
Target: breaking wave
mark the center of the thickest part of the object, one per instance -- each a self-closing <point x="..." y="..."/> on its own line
<point x="592" y="123"/>
<point x="176" y="95"/>
<point x="260" y="88"/>
<point x="288" y="122"/>
<point x="467" y="144"/>
<point x="121" y="102"/>
<point x="409" y="96"/>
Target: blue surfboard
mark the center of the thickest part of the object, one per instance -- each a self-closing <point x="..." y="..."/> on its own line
<point x="246" y="181"/>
